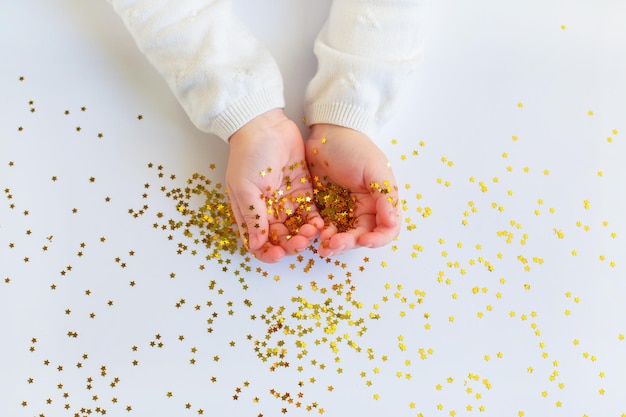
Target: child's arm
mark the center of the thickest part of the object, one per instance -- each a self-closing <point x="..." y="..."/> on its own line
<point x="230" y="86"/>
<point x="218" y="71"/>
<point x="366" y="51"/>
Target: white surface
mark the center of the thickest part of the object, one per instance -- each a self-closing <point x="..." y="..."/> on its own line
<point x="482" y="60"/>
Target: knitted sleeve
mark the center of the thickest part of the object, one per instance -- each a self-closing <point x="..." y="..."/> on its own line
<point x="365" y="52"/>
<point x="220" y="74"/>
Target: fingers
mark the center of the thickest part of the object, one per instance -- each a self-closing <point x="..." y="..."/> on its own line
<point x="269" y="253"/>
<point x="292" y="244"/>
<point x="374" y="236"/>
<point x="335" y="243"/>
<point x="338" y="243"/>
<point x="262" y="241"/>
<point x="281" y="242"/>
<point x="253" y="224"/>
<point x="269" y="240"/>
<point x="377" y="224"/>
<point x="309" y="231"/>
<point x="267" y="237"/>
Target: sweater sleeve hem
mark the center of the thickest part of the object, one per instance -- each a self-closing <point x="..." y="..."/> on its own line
<point x="342" y="114"/>
<point x="241" y="112"/>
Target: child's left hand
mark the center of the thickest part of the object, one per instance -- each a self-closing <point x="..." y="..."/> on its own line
<point x="351" y="160"/>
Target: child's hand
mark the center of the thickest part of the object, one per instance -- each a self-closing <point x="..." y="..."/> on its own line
<point x="351" y="160"/>
<point x="269" y="186"/>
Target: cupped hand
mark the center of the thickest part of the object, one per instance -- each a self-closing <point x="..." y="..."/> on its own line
<point x="270" y="187"/>
<point x="349" y="159"/>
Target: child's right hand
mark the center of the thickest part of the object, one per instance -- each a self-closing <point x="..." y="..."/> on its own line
<point x="267" y="161"/>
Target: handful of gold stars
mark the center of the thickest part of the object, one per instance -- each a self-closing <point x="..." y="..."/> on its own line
<point x="335" y="204"/>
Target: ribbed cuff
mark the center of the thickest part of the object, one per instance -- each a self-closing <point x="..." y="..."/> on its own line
<point x="342" y="114"/>
<point x="236" y="116"/>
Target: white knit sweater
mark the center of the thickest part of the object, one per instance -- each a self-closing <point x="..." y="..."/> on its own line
<point x="224" y="78"/>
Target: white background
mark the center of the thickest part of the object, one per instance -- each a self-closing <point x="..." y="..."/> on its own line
<point x="543" y="340"/>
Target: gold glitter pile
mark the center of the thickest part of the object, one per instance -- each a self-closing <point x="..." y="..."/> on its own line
<point x="335" y="204"/>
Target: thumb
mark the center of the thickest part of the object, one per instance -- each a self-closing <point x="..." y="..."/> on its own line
<point x="385" y="195"/>
<point x="250" y="213"/>
<point x="387" y="210"/>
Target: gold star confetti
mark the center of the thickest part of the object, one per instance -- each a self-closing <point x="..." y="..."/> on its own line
<point x="311" y="316"/>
